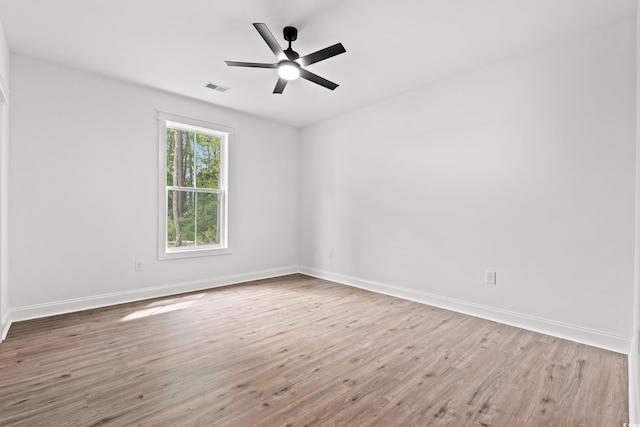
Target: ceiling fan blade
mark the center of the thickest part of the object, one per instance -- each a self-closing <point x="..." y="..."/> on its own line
<point x="282" y="83"/>
<point x="271" y="41"/>
<point x="305" y="74"/>
<point x="322" y="54"/>
<point x="250" y="64"/>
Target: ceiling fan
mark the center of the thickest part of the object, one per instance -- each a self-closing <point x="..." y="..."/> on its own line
<point x="290" y="64"/>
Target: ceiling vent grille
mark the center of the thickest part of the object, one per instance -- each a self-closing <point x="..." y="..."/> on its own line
<point x="216" y="87"/>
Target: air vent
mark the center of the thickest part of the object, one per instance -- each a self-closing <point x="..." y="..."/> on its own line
<point x="216" y="87"/>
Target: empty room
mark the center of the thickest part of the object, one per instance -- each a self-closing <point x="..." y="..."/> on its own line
<point x="319" y="213"/>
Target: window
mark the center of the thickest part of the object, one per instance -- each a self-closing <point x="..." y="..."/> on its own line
<point x="194" y="188"/>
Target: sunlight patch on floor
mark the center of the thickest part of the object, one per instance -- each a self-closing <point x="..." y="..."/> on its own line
<point x="162" y="307"/>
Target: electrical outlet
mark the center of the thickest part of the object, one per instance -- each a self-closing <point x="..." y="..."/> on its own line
<point x="330" y="253"/>
<point x="139" y="265"/>
<point x="490" y="277"/>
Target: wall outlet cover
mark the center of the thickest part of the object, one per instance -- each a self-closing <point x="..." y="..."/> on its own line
<point x="490" y="277"/>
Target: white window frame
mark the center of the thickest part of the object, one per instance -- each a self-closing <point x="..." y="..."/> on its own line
<point x="174" y="121"/>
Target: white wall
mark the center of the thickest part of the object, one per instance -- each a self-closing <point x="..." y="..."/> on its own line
<point x="83" y="202"/>
<point x="4" y="184"/>
<point x="524" y="167"/>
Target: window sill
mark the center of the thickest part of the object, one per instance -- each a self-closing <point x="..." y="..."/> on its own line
<point x="193" y="253"/>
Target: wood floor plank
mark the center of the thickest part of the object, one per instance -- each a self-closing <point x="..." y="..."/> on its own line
<point x="299" y="351"/>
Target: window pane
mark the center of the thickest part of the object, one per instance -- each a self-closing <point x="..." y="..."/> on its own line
<point x="171" y="146"/>
<point x="181" y="223"/>
<point x="207" y="219"/>
<point x="207" y="161"/>
<point x="197" y="219"/>
<point x="180" y="157"/>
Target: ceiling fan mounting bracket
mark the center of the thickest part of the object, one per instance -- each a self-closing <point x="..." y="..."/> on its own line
<point x="290" y="34"/>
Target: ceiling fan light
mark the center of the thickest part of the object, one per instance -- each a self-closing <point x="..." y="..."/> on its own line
<point x="289" y="70"/>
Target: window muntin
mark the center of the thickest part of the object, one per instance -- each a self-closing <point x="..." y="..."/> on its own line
<point x="194" y="181"/>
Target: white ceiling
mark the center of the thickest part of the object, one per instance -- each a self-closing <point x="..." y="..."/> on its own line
<point x="392" y="46"/>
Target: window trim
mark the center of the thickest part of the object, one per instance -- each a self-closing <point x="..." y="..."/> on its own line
<point x="226" y="133"/>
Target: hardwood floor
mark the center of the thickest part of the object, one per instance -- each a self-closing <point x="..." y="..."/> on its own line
<point x="298" y="351"/>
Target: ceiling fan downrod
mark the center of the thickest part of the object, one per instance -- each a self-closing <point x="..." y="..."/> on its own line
<point x="291" y="35"/>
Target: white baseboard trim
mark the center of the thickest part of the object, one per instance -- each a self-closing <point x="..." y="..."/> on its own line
<point x="575" y="333"/>
<point x="5" y="324"/>
<point x="78" y="304"/>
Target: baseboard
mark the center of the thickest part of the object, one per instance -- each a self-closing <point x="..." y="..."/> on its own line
<point x="5" y="324"/>
<point x="575" y="333"/>
<point x="579" y="334"/>
<point x="79" y="304"/>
